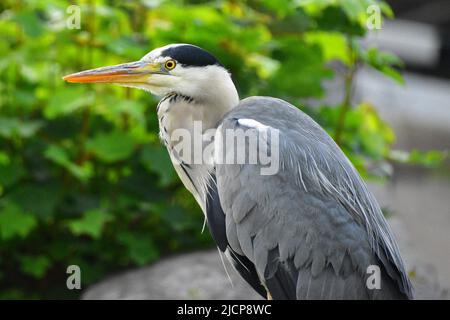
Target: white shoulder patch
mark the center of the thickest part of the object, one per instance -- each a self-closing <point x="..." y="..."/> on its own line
<point x="251" y="123"/>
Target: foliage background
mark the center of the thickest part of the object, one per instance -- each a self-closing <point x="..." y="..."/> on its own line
<point x="83" y="177"/>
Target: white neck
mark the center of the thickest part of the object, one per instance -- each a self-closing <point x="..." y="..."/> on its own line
<point x="180" y="111"/>
<point x="202" y="96"/>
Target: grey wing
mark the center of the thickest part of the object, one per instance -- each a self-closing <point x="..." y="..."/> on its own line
<point x="311" y="229"/>
<point x="216" y="224"/>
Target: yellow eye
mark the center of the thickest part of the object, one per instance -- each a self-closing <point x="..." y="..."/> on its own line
<point x="170" y="64"/>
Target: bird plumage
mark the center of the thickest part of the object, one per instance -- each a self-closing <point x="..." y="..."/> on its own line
<point x="313" y="226"/>
<point x="309" y="230"/>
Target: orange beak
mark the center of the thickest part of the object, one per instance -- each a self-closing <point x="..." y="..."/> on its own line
<point x="133" y="72"/>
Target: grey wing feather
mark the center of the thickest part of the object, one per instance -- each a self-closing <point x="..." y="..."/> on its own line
<point x="216" y="224"/>
<point x="313" y="228"/>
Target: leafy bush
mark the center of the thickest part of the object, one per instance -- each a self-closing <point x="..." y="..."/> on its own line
<point x="83" y="177"/>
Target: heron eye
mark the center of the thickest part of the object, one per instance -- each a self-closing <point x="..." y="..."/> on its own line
<point x="170" y="64"/>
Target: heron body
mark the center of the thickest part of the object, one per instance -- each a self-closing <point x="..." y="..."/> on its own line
<point x="311" y="230"/>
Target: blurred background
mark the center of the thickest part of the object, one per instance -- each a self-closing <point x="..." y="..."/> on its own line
<point x="84" y="180"/>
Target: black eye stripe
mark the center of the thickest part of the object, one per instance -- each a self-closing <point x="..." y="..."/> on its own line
<point x="189" y="55"/>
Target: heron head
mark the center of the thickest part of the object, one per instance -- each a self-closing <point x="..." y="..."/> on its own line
<point x="180" y="68"/>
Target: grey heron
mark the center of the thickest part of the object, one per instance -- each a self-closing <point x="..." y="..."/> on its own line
<point x="311" y="230"/>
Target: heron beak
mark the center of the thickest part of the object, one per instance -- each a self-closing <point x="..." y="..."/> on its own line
<point x="133" y="72"/>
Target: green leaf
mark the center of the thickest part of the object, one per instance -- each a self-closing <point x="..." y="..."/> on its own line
<point x="126" y="46"/>
<point x="91" y="223"/>
<point x="354" y="8"/>
<point x="430" y="159"/>
<point x="393" y="74"/>
<point x="383" y="62"/>
<point x="386" y="9"/>
<point x="67" y="100"/>
<point x="15" y="222"/>
<point x="301" y="72"/>
<point x="35" y="266"/>
<point x="12" y="127"/>
<point x="11" y="173"/>
<point x="58" y="155"/>
<point x="335" y="18"/>
<point x="141" y="248"/>
<point x="113" y="146"/>
<point x="177" y="218"/>
<point x="40" y="200"/>
<point x="4" y="159"/>
<point x="30" y="23"/>
<point x="280" y="7"/>
<point x="333" y="45"/>
<point x="155" y="159"/>
<point x="265" y="67"/>
<point x="133" y="109"/>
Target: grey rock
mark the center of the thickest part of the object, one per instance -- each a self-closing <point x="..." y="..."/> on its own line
<point x="201" y="275"/>
<point x="198" y="275"/>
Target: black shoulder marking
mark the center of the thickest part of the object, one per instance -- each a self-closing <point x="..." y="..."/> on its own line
<point x="215" y="216"/>
<point x="190" y="55"/>
<point x="247" y="271"/>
